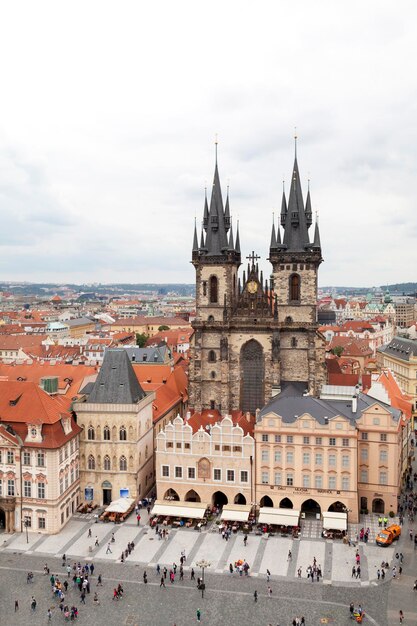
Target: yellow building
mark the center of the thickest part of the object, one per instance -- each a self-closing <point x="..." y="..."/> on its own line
<point x="400" y="356"/>
<point x="148" y="325"/>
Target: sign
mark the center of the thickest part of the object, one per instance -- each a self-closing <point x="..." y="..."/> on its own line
<point x="124" y="493"/>
<point x="89" y="493"/>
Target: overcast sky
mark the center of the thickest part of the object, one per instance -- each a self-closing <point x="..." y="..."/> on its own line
<point x="108" y="115"/>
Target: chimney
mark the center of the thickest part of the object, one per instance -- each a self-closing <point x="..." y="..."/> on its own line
<point x="354" y="403"/>
<point x="188" y="415"/>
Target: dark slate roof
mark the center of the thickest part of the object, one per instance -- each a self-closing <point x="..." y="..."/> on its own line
<point x="296" y="228"/>
<point x="116" y="382"/>
<point x="290" y="404"/>
<point x="216" y="240"/>
<point x="159" y="354"/>
<point x="400" y="348"/>
<point x="324" y="315"/>
<point x="79" y="321"/>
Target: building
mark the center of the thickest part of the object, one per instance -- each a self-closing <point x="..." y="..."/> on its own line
<point x="147" y="325"/>
<point x="206" y="458"/>
<point x="320" y="455"/>
<point x="400" y="356"/>
<point x="39" y="459"/>
<point x="248" y="329"/>
<point x="405" y="313"/>
<point x="116" y="444"/>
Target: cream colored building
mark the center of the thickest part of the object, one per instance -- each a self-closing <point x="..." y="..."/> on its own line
<point x="400" y="356"/>
<point x="116" y="446"/>
<point x="318" y="455"/>
<point x="201" y="461"/>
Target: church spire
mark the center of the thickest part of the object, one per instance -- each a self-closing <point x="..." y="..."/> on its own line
<point x="273" y="235"/>
<point x="295" y="228"/>
<point x="195" y="240"/>
<point x="205" y="214"/>
<point x="283" y="206"/>
<point x="237" y="244"/>
<point x="308" y="212"/>
<point x="227" y="211"/>
<point x="231" y="244"/>
<point x="316" y="242"/>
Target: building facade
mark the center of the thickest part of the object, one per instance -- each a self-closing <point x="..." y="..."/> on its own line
<point x="251" y="330"/>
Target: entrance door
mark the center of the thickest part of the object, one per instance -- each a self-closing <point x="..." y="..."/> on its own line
<point x="106" y="496"/>
<point x="2" y="521"/>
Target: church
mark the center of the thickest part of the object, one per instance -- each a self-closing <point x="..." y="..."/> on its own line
<point x="254" y="334"/>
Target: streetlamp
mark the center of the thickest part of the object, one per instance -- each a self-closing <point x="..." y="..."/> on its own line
<point x="203" y="564"/>
<point x="26" y="524"/>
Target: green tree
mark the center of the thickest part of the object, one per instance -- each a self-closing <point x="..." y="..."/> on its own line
<point x="337" y="350"/>
<point x="163" y="327"/>
<point x="141" y="339"/>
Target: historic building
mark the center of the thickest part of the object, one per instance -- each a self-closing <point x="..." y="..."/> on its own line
<point x="116" y="443"/>
<point x="252" y="334"/>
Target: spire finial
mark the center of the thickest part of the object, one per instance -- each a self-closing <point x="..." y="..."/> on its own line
<point x="308" y="182"/>
<point x="273" y="217"/>
<point x="216" y="142"/>
<point x="317" y="217"/>
<point x="283" y="184"/>
<point x="295" y="141"/>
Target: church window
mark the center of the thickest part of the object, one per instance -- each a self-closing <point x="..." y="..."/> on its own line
<point x="210" y="318"/>
<point x="294" y="288"/>
<point x="204" y="288"/>
<point x="212" y="405"/>
<point x="107" y="463"/>
<point x="123" y="464"/>
<point x="106" y="433"/>
<point x="90" y="433"/>
<point x="293" y="342"/>
<point x="91" y="462"/>
<point x="294" y="267"/>
<point x="213" y="374"/>
<point x="288" y="320"/>
<point x="122" y="433"/>
<point x="212" y="356"/>
<point x="213" y="289"/>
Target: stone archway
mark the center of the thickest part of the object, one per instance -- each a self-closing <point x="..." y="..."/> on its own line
<point x="337" y="507"/>
<point x="240" y="499"/>
<point x="311" y="508"/>
<point x="252" y="374"/>
<point x="2" y="521"/>
<point x="286" y="503"/>
<point x="266" y="501"/>
<point x="219" y="499"/>
<point x="192" y="496"/>
<point x="171" y="494"/>
<point x="378" y="506"/>
<point x="8" y="507"/>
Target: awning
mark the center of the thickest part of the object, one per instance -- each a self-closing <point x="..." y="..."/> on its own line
<point x="178" y="508"/>
<point x="236" y="512"/>
<point x="281" y="517"/>
<point x="334" y="521"/>
<point x="120" y="506"/>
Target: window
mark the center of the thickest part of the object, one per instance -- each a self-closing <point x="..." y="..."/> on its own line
<point x="237" y="448"/>
<point x="265" y="455"/>
<point x="41" y="491"/>
<point x="191" y="473"/>
<point x="364" y="476"/>
<point x="212" y="405"/>
<point x="364" y="436"/>
<point x="91" y="435"/>
<point x="91" y="462"/>
<point x="306" y="458"/>
<point x="383" y="437"/>
<point x="332" y="482"/>
<point x="319" y="441"/>
<point x="41" y="459"/>
<point x="107" y="463"/>
<point x="265" y="478"/>
<point x="277" y="438"/>
<point x="318" y="481"/>
<point x="306" y="480"/>
<point x="345" y="483"/>
<point x="106" y="433"/>
<point x="277" y="478"/>
<point x="264" y="437"/>
<point x="345" y="460"/>
<point x="306" y="440"/>
<point x="243" y="476"/>
<point x="290" y="480"/>
<point x="290" y="439"/>
<point x="213" y="374"/>
<point x="383" y="456"/>
<point x="375" y="421"/>
<point x="332" y="441"/>
<point x="383" y="478"/>
<point x="295" y="288"/>
<point x="61" y="484"/>
<point x="41" y="522"/>
<point x="319" y="458"/>
<point x="27" y="489"/>
<point x="165" y="471"/>
<point x="277" y="456"/>
<point x="10" y="457"/>
<point x="339" y="425"/>
<point x="28" y="521"/>
<point x="332" y="460"/>
<point x="231" y="476"/>
<point x="364" y="454"/>
<point x="123" y="464"/>
<point x="217" y="474"/>
<point x="179" y="445"/>
<point x="290" y="457"/>
<point x="345" y="442"/>
<point x="216" y="447"/>
<point x="211" y="356"/>
<point x="187" y="446"/>
<point x="72" y="475"/>
<point x="294" y="342"/>
<point x="61" y="455"/>
<point x="122" y="433"/>
<point x="26" y="458"/>
<point x="213" y="289"/>
<point x="226" y="448"/>
<point x="66" y="481"/>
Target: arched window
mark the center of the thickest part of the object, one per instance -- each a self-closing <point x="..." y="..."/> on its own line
<point x="123" y="464"/>
<point x="107" y="463"/>
<point x="91" y="462"/>
<point x="106" y="433"/>
<point x="146" y="452"/>
<point x="213" y="289"/>
<point x="210" y="318"/>
<point x="212" y="356"/>
<point x="293" y="342"/>
<point x="213" y="374"/>
<point x="90" y="433"/>
<point x="295" y="288"/>
<point x="122" y="433"/>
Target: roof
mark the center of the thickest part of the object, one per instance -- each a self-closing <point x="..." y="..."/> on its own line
<point x="400" y="348"/>
<point x="351" y="346"/>
<point x="14" y="342"/>
<point x="28" y="403"/>
<point x="142" y="320"/>
<point x="211" y="417"/>
<point x="116" y="382"/>
<point x="80" y="321"/>
<point x="159" y="354"/>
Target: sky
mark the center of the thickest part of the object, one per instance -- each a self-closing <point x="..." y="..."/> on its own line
<point x="109" y="113"/>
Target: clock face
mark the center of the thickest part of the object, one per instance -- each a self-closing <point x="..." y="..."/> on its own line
<point x="252" y="286"/>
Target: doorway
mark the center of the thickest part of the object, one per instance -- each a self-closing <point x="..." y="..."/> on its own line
<point x="106" y="496"/>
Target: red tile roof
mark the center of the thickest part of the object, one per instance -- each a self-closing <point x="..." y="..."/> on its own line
<point x="209" y="417"/>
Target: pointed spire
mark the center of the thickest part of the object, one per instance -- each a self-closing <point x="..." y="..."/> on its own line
<point x="283" y="206"/>
<point x="273" y="234"/>
<point x="231" y="244"/>
<point x="216" y="240"/>
<point x="237" y="244"/>
<point x="202" y="246"/>
<point x="316" y="242"/>
<point x="195" y="240"/>
<point x="295" y="228"/>
<point x="308" y="212"/>
<point x="227" y="211"/>
<point x="279" y="237"/>
<point x="206" y="213"/>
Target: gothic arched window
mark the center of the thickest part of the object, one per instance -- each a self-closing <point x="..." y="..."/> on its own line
<point x="295" y="288"/>
<point x="91" y="462"/>
<point x="212" y="356"/>
<point x="293" y="342"/>
<point x="122" y="433"/>
<point x="106" y="433"/>
<point x="90" y="433"/>
<point x="214" y="289"/>
<point x="107" y="463"/>
<point x="123" y="464"/>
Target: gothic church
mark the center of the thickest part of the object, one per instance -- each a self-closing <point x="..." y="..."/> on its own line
<point x="254" y="335"/>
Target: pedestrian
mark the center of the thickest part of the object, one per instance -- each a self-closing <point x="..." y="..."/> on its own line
<point x="268" y="575"/>
<point x="16" y="605"/>
<point x="99" y="581"/>
<point x="92" y="569"/>
<point x="400" y="570"/>
<point x="162" y="582"/>
<point x="382" y="574"/>
<point x="378" y="574"/>
<point x="255" y="596"/>
<point x="401" y="617"/>
<point x="49" y="614"/>
<point x="289" y="555"/>
<point x="245" y="540"/>
<point x="108" y="548"/>
<point x="299" y="571"/>
<point x="198" y="615"/>
<point x="358" y="571"/>
<point x="351" y="610"/>
<point x="192" y="574"/>
<point x="269" y="592"/>
<point x="89" y="532"/>
<point x="394" y="572"/>
<point x="82" y="597"/>
<point x="138" y="518"/>
<point x="145" y="577"/>
<point x="96" y="541"/>
<point x="230" y="568"/>
<point x="33" y="603"/>
<point x="353" y="571"/>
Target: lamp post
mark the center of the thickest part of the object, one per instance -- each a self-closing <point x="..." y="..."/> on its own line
<point x="26" y="523"/>
<point x="203" y="564"/>
<point x="347" y="511"/>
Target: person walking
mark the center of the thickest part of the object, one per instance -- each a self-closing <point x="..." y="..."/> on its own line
<point x="162" y="582"/>
<point x="198" y="615"/>
<point x="268" y="575"/>
<point x="16" y="605"/>
<point x="158" y="569"/>
<point x="358" y="571"/>
<point x="192" y="574"/>
<point x="353" y="571"/>
<point x="351" y="610"/>
<point x="92" y="569"/>
<point x="33" y="603"/>
<point x="96" y="541"/>
<point x="108" y="548"/>
<point x="269" y="592"/>
<point x="49" y="615"/>
<point x="401" y="617"/>
<point x="255" y="596"/>
<point x="89" y="533"/>
<point x="145" y="577"/>
<point x="99" y="581"/>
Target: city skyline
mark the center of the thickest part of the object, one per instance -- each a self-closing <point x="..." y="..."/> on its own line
<point x="109" y="123"/>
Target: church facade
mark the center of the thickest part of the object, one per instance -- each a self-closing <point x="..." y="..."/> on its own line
<point x="252" y="334"/>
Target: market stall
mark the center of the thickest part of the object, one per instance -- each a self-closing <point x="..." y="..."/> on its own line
<point x="175" y="512"/>
<point x="282" y="520"/>
<point x="334" y="524"/>
<point x="118" y="510"/>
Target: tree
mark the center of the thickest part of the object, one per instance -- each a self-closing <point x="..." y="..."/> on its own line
<point x="141" y="339"/>
<point x="337" y="350"/>
<point x="163" y="327"/>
